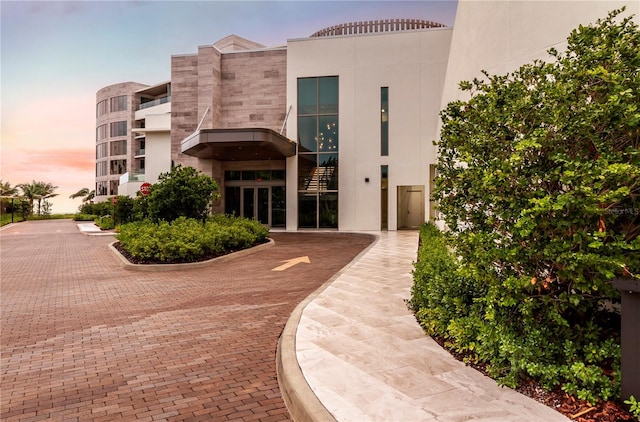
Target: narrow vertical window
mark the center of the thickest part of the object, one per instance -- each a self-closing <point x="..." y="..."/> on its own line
<point x="384" y="197"/>
<point x="384" y="121"/>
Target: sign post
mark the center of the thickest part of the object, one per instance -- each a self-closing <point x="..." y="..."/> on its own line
<point x="115" y="202"/>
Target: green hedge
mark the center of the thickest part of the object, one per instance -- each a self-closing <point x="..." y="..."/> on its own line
<point x="84" y="217"/>
<point x="188" y="240"/>
<point x="519" y="333"/>
<point x="105" y="222"/>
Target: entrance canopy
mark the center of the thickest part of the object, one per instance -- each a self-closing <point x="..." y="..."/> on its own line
<point x="244" y="144"/>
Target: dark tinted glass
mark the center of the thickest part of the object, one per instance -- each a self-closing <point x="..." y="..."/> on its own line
<point x="328" y="95"/>
<point x="307" y="96"/>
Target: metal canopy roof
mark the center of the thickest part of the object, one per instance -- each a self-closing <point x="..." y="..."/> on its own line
<point x="242" y="144"/>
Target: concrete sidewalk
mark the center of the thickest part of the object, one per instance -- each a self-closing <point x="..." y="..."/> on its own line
<point x="354" y="352"/>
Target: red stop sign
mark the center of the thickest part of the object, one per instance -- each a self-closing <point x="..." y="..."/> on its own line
<point x="144" y="188"/>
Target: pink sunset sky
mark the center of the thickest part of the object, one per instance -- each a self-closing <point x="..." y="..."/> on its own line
<point x="56" y="55"/>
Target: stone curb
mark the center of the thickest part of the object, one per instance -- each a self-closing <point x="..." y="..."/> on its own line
<point x="185" y="266"/>
<point x="302" y="403"/>
<point x="90" y="229"/>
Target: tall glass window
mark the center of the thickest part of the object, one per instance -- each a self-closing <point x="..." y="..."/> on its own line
<point x="384" y="197"/>
<point x="384" y="121"/>
<point x="101" y="132"/>
<point x="318" y="126"/>
<point x="118" y="147"/>
<point x="102" y="150"/>
<point x="119" y="103"/>
<point x="101" y="168"/>
<point x="101" y="108"/>
<point x="101" y="188"/>
<point x="118" y="167"/>
<point x="118" y="129"/>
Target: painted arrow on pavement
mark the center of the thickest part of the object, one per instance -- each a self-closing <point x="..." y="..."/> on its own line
<point x="291" y="262"/>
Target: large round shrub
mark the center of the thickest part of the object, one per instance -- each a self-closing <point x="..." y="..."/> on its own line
<point x="539" y="186"/>
<point x="183" y="192"/>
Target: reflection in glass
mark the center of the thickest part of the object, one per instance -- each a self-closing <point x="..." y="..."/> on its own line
<point x="308" y="133"/>
<point x="278" y="174"/>
<point x="263" y="205"/>
<point x="307" y="96"/>
<point x="263" y="175"/>
<point x="248" y="205"/>
<point x="232" y="175"/>
<point x="307" y="171"/>
<point x="384" y="121"/>
<point x="328" y="95"/>
<point x="384" y="197"/>
<point x="232" y="200"/>
<point x="278" y="206"/>
<point x="328" y="171"/>
<point x="328" y="133"/>
<point x="307" y="210"/>
<point x="318" y="146"/>
<point x="328" y="207"/>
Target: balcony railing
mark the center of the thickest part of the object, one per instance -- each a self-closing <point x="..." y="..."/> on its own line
<point x="135" y="176"/>
<point x="155" y="102"/>
<point x="140" y="152"/>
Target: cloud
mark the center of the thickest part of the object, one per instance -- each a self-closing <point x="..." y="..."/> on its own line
<point x="70" y="169"/>
<point x="81" y="159"/>
<point x="60" y="167"/>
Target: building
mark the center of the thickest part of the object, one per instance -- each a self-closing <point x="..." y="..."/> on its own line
<point x="115" y="109"/>
<point x="333" y="131"/>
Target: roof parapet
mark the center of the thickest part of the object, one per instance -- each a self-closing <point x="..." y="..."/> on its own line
<point x="377" y="26"/>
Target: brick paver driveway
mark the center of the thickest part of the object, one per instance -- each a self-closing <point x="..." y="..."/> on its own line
<point x="83" y="339"/>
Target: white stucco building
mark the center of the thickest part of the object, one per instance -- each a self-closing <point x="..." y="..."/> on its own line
<point x="333" y="131"/>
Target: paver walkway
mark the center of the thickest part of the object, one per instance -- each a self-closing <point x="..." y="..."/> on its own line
<point x="365" y="358"/>
<point x="83" y="339"/>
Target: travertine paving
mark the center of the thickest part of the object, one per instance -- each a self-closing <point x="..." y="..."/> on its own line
<point x="83" y="339"/>
<point x="366" y="359"/>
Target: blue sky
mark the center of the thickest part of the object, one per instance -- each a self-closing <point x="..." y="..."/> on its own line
<point x="55" y="56"/>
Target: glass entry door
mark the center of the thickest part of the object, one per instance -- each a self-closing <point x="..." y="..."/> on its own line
<point x="256" y="203"/>
<point x="256" y="194"/>
<point x="267" y="204"/>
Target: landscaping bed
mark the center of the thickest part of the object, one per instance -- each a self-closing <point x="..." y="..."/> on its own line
<point x="187" y="240"/>
<point x="571" y="407"/>
<point x="134" y="260"/>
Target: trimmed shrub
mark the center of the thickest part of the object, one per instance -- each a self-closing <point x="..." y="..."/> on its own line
<point x="183" y="192"/>
<point x="99" y="208"/>
<point x="84" y="217"/>
<point x="539" y="182"/>
<point x="188" y="240"/>
<point x="518" y="333"/>
<point x="105" y="222"/>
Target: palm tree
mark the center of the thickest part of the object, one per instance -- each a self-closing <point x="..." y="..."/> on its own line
<point x="6" y="189"/>
<point x="86" y="193"/>
<point x="37" y="191"/>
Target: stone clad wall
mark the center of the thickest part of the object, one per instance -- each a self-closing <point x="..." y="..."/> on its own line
<point x="184" y="106"/>
<point x="241" y="89"/>
<point x="209" y="87"/>
<point x="254" y="89"/>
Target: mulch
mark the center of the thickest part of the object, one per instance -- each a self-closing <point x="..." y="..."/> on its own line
<point x="572" y="407"/>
